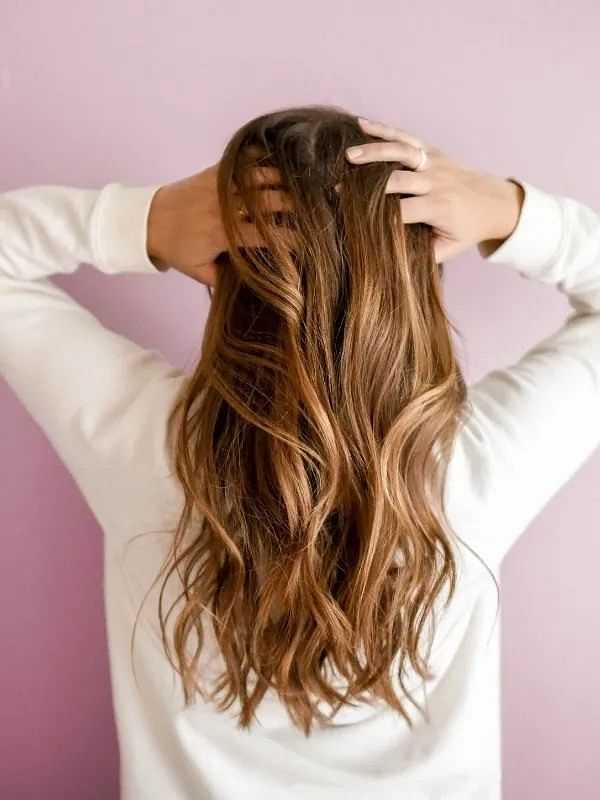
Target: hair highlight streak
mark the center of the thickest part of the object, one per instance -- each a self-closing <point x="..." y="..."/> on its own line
<point x="312" y="439"/>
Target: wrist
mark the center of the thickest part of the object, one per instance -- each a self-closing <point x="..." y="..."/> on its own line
<point x="506" y="202"/>
<point x="157" y="231"/>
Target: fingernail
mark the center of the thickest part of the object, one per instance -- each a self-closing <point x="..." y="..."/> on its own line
<point x="354" y="152"/>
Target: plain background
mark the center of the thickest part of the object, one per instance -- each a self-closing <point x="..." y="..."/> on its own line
<point x="147" y="92"/>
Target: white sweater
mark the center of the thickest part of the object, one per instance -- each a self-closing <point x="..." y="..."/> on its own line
<point x="102" y="401"/>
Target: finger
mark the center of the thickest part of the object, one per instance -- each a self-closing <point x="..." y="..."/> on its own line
<point x="404" y="181"/>
<point x="266" y="176"/>
<point x="388" y="132"/>
<point x="385" y="151"/>
<point x="262" y="178"/>
<point x="270" y="200"/>
<point x="251" y="237"/>
<point x="261" y="175"/>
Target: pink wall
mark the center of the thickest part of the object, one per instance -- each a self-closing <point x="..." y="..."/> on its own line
<point x="148" y="91"/>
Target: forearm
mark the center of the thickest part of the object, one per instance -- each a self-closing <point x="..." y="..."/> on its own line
<point x="46" y="230"/>
<point x="557" y="242"/>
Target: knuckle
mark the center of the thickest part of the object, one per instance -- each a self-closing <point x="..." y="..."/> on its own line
<point x="438" y="204"/>
<point x="427" y="185"/>
<point x="409" y="154"/>
<point x="448" y="204"/>
<point x="398" y="181"/>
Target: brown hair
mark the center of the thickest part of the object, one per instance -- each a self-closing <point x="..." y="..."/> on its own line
<point x="312" y="438"/>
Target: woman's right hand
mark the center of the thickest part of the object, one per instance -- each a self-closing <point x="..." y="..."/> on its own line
<point x="185" y="228"/>
<point x="464" y="207"/>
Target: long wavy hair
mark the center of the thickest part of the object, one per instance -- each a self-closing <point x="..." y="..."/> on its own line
<point x="313" y="437"/>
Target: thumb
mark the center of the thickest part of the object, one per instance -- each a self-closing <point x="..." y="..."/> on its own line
<point x="202" y="273"/>
<point x="445" y="249"/>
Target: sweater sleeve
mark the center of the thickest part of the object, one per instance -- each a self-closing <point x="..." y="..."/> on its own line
<point x="538" y="420"/>
<point x="98" y="396"/>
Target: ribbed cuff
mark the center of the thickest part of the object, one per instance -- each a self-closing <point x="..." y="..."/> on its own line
<point x="120" y="229"/>
<point x="535" y="241"/>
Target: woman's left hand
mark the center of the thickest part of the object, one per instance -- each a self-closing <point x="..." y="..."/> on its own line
<point x="463" y="206"/>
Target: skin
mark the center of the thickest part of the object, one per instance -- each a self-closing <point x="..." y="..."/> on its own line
<point x="465" y="207"/>
<point x="185" y="231"/>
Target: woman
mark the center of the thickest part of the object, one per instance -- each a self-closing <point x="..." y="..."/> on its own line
<point x="303" y="536"/>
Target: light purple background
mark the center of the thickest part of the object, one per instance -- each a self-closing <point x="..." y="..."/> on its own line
<point x="145" y="92"/>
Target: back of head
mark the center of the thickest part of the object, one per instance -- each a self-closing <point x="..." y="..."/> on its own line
<point x="312" y="438"/>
